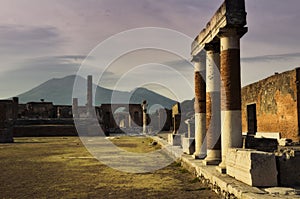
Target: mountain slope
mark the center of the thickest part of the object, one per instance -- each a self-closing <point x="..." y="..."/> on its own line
<point x="59" y="91"/>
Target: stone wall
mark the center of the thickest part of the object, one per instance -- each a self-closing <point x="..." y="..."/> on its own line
<point x="8" y="114"/>
<point x="276" y="100"/>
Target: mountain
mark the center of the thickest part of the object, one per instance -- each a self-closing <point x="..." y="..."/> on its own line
<point x="59" y="91"/>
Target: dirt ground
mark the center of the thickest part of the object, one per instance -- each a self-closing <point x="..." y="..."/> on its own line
<point x="60" y="167"/>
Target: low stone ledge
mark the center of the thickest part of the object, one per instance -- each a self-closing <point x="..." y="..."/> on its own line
<point x="222" y="184"/>
<point x="255" y="168"/>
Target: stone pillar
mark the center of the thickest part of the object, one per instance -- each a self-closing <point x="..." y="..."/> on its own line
<point x="89" y="95"/>
<point x="231" y="127"/>
<point x="15" y="108"/>
<point x="200" y="106"/>
<point x="75" y="108"/>
<point x="213" y="112"/>
<point x="144" y="107"/>
<point x="129" y="120"/>
<point x="58" y="113"/>
<point x="188" y="140"/>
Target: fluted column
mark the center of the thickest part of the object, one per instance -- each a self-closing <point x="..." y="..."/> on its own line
<point x="213" y="114"/>
<point x="200" y="106"/>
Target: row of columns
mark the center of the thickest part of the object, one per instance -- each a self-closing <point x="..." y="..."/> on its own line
<point x="218" y="99"/>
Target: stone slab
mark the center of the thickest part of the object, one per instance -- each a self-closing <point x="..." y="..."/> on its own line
<point x="270" y="135"/>
<point x="261" y="144"/>
<point x="281" y="191"/>
<point x="255" y="168"/>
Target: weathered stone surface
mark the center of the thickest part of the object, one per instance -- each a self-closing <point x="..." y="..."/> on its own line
<point x="254" y="168"/>
<point x="188" y="145"/>
<point x="270" y="135"/>
<point x="288" y="169"/>
<point x="281" y="191"/>
<point x="277" y="103"/>
<point x="261" y="144"/>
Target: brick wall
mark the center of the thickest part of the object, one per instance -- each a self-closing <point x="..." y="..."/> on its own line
<point x="276" y="104"/>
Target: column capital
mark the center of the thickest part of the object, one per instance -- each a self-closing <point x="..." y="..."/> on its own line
<point x="215" y="47"/>
<point x="227" y="32"/>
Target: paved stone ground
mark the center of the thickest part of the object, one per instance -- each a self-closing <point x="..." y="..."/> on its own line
<point x="60" y="167"/>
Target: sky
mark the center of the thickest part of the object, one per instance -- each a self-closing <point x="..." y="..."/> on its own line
<point x="44" y="39"/>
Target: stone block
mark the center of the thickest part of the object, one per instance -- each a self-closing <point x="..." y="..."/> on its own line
<point x="261" y="144"/>
<point x="174" y="139"/>
<point x="288" y="169"/>
<point x="255" y="168"/>
<point x="188" y="145"/>
<point x="270" y="135"/>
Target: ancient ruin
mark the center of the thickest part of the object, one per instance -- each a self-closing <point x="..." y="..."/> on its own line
<point x="270" y="107"/>
<point x="250" y="134"/>
<point x="221" y="39"/>
<point x="8" y="117"/>
<point x="46" y="119"/>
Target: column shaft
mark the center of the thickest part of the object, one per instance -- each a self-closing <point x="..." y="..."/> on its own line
<point x="89" y="95"/>
<point x="200" y="108"/>
<point x="213" y="112"/>
<point x="230" y="94"/>
<point x="144" y="109"/>
<point x="75" y="108"/>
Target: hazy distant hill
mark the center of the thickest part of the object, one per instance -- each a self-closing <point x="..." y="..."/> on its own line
<point x="59" y="91"/>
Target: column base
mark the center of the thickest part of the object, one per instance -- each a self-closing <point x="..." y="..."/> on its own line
<point x="213" y="157"/>
<point x="221" y="167"/>
<point x="199" y="156"/>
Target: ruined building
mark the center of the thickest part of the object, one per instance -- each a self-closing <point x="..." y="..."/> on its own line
<point x="8" y="117"/>
<point x="271" y="106"/>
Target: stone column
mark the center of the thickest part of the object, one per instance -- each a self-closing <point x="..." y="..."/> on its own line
<point x="199" y="106"/>
<point x="75" y="108"/>
<point x="231" y="127"/>
<point x="213" y="112"/>
<point x="144" y="107"/>
<point x="188" y="139"/>
<point x="58" y="113"/>
<point x="129" y="120"/>
<point x="89" y="95"/>
<point x="15" y="108"/>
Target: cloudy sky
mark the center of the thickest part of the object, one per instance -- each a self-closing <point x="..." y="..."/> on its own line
<point x="43" y="39"/>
